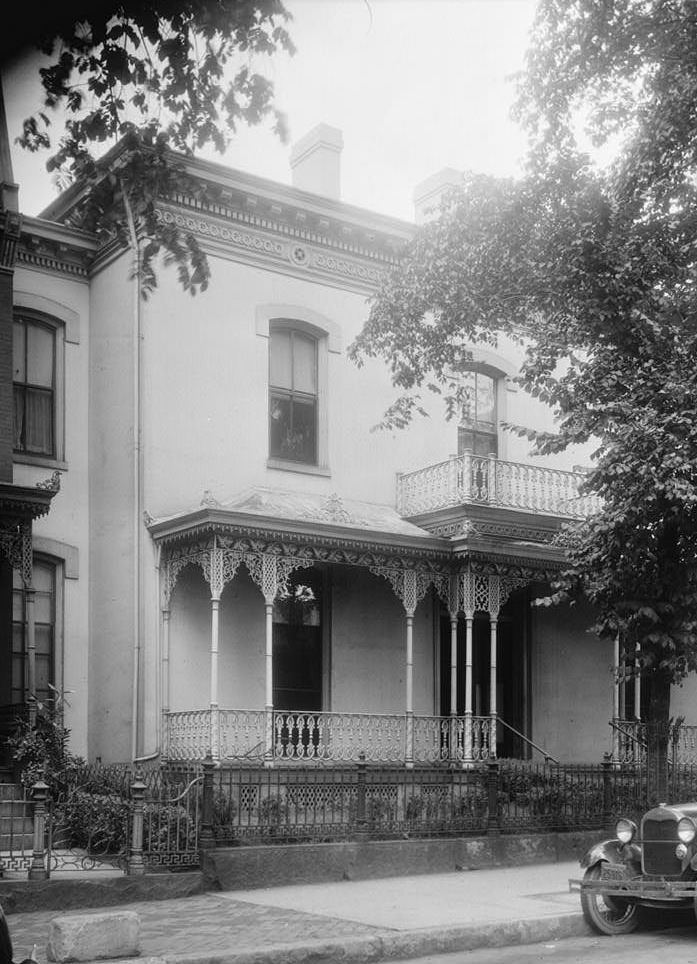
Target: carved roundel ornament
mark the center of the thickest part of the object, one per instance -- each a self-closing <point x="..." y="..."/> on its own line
<point x="299" y="255"/>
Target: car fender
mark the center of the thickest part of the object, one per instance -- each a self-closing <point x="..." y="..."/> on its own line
<point x="610" y="850"/>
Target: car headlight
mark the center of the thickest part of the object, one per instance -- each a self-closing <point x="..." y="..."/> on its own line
<point x="686" y="829"/>
<point x="625" y="831"/>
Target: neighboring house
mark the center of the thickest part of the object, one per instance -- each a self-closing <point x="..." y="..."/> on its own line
<point x="235" y="564"/>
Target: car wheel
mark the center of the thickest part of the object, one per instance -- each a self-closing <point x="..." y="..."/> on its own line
<point x="607" y="915"/>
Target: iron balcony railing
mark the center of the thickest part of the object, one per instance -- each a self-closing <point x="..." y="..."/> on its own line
<point x="485" y="480"/>
<point x="326" y="737"/>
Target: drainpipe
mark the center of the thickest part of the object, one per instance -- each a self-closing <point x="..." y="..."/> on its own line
<point x="137" y="477"/>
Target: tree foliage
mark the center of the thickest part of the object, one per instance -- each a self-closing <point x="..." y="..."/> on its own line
<point x="159" y="76"/>
<point x="592" y="268"/>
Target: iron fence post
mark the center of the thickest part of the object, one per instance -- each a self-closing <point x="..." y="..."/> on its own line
<point x="361" y="820"/>
<point x="607" y="789"/>
<point x="207" y="838"/>
<point x="492" y="786"/>
<point x="136" y="863"/>
<point x="38" y="869"/>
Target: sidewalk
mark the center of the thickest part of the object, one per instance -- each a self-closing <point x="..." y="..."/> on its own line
<point x="348" y="921"/>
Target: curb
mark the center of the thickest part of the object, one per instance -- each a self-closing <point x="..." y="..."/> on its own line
<point x="391" y="946"/>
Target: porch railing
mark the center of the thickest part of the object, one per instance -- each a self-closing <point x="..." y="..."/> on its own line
<point x="630" y="742"/>
<point x="483" y="480"/>
<point x="326" y="737"/>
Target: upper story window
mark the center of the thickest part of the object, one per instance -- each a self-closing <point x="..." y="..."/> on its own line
<point x="477" y="429"/>
<point x="34" y="383"/>
<point x="293" y="408"/>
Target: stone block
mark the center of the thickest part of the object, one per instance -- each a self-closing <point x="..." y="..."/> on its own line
<point x="93" y="937"/>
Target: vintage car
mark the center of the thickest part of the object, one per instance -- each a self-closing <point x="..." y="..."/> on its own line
<point x="652" y="865"/>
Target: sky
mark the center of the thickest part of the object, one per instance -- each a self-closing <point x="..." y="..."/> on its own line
<point x="415" y="86"/>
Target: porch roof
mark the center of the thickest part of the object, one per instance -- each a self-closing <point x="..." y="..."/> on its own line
<point x="303" y="516"/>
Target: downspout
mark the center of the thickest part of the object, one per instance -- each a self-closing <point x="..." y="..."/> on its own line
<point x="137" y="477"/>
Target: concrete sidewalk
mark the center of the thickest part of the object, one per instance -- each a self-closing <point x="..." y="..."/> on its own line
<point x="349" y="921"/>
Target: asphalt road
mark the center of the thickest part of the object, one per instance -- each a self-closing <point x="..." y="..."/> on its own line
<point x="678" y="946"/>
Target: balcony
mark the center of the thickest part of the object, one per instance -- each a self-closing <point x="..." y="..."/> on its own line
<point x="481" y="480"/>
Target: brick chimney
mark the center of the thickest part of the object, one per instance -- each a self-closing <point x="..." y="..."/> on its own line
<point x="428" y="194"/>
<point x="315" y="161"/>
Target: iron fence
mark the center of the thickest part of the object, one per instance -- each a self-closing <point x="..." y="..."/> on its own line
<point x="128" y="820"/>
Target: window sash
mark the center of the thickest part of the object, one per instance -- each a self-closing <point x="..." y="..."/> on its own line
<point x="293" y="399"/>
<point x="34" y="351"/>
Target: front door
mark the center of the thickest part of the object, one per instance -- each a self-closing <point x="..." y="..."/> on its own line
<point x="297" y="644"/>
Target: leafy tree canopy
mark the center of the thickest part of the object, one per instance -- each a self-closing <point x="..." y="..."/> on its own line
<point x="161" y="76"/>
<point x="592" y="268"/>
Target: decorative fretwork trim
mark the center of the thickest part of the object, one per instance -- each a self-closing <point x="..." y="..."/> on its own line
<point x="16" y="547"/>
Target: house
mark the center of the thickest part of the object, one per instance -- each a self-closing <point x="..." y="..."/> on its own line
<point x="227" y="559"/>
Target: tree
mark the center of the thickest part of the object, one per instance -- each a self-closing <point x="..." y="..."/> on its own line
<point x="163" y="79"/>
<point x="592" y="268"/>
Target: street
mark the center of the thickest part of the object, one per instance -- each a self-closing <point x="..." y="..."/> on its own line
<point x="678" y="946"/>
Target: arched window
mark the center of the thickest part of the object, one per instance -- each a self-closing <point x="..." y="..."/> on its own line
<point x="44" y="584"/>
<point x="293" y="395"/>
<point x="34" y="385"/>
<point x="477" y="430"/>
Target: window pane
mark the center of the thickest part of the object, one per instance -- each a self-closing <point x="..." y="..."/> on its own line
<point x="304" y="364"/>
<point x="484" y="444"/>
<point x="19" y="416"/>
<point x="17" y="605"/>
<point x="18" y="638"/>
<point x="43" y="608"/>
<point x="280" y="363"/>
<point x="17" y="679"/>
<point x="486" y="399"/>
<point x="39" y="356"/>
<point x="42" y="577"/>
<point x="38" y="433"/>
<point x="304" y="430"/>
<point x="43" y="638"/>
<point x="279" y="425"/>
<point x="468" y="409"/>
<point x="18" y="367"/>
<point x="43" y="677"/>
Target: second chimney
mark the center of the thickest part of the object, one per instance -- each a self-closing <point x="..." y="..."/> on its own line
<point x="315" y="161"/>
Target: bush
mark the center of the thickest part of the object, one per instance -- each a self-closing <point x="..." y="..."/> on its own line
<point x="97" y="823"/>
<point x="41" y="751"/>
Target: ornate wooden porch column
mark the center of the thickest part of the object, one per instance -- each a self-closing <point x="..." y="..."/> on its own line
<point x="616" y="699"/>
<point x="453" y="610"/>
<point x="467" y="605"/>
<point x="214" y="574"/>
<point x="410" y="586"/>
<point x="494" y="608"/>
<point x="637" y="683"/>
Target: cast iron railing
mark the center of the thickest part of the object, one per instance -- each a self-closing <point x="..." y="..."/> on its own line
<point x="484" y="480"/>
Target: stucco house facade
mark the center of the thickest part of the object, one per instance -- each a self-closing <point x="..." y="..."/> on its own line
<point x="227" y="559"/>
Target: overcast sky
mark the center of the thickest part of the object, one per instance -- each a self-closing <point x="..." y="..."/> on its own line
<point x="414" y="85"/>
